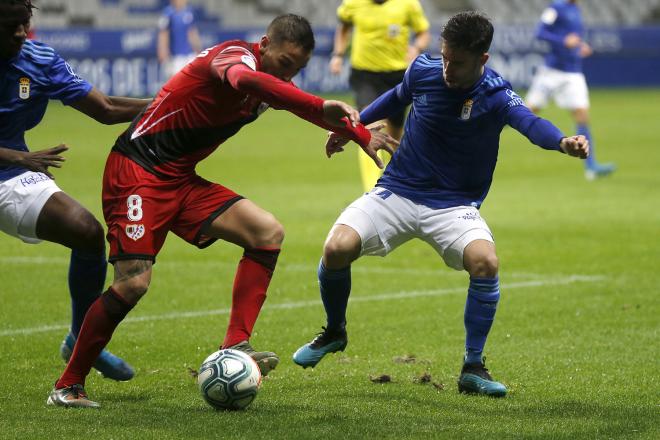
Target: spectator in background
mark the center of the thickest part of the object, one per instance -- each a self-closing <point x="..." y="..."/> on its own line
<point x="561" y="77"/>
<point x="178" y="38"/>
<point x="380" y="54"/>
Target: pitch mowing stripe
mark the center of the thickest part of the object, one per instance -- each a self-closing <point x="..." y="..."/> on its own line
<point x="317" y="303"/>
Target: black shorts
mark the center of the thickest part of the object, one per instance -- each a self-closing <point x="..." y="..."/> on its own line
<point x="368" y="86"/>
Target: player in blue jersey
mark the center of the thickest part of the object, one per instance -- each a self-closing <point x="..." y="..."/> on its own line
<point x="178" y="37"/>
<point x="32" y="207"/>
<point x="561" y="77"/>
<point x="434" y="185"/>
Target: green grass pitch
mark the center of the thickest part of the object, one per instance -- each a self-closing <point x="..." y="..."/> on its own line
<point x="575" y="339"/>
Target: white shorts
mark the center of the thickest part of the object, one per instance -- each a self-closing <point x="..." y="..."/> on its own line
<point x="176" y="63"/>
<point x="21" y="201"/>
<point x="568" y="89"/>
<point x="385" y="221"/>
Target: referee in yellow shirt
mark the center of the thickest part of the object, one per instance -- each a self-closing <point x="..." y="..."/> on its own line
<point x="380" y="54"/>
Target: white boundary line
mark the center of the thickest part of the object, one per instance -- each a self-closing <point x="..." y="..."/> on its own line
<point x="317" y="303"/>
<point x="282" y="267"/>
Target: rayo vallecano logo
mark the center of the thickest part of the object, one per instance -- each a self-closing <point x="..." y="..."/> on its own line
<point x="24" y="88"/>
<point x="466" y="111"/>
<point x="135" y="232"/>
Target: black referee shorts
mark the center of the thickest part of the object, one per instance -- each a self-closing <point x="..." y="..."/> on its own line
<point x="368" y="86"/>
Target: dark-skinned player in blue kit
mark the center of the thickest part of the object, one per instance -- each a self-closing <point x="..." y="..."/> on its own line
<point x="32" y="207"/>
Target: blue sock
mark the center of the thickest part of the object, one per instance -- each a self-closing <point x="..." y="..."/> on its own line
<point x="480" y="307"/>
<point x="335" y="288"/>
<point x="86" y="280"/>
<point x="590" y="161"/>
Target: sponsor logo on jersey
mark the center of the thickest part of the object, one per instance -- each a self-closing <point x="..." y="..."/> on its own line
<point x="514" y="99"/>
<point x="135" y="232"/>
<point x="467" y="110"/>
<point x="24" y="88"/>
<point x="75" y="77"/>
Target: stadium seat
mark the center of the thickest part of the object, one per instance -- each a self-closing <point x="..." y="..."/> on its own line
<point x="322" y="13"/>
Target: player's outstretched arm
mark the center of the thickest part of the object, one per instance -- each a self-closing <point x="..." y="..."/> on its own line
<point x="285" y="96"/>
<point x="332" y="115"/>
<point x="539" y="131"/>
<point x="38" y="161"/>
<point x="544" y="133"/>
<point x="378" y="141"/>
<point x="109" y="109"/>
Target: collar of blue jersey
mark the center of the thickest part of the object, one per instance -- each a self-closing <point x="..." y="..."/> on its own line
<point x="4" y="62"/>
<point x="473" y="89"/>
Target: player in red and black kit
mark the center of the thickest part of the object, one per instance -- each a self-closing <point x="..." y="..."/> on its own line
<point x="150" y="186"/>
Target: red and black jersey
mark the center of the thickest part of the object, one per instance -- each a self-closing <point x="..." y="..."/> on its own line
<point x="194" y="112"/>
<point x="207" y="102"/>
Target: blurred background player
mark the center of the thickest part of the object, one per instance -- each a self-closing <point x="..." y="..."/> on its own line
<point x="32" y="207"/>
<point x="150" y="186"/>
<point x="561" y="77"/>
<point x="380" y="54"/>
<point x="178" y="37"/>
<point x="434" y="185"/>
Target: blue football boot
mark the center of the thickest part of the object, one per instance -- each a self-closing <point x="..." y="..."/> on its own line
<point x="475" y="379"/>
<point x="598" y="170"/>
<point x="328" y="341"/>
<point x="107" y="364"/>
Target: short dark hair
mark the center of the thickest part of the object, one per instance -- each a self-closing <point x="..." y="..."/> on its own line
<point x="27" y="3"/>
<point x="15" y="6"/>
<point x="292" y="28"/>
<point x="471" y="31"/>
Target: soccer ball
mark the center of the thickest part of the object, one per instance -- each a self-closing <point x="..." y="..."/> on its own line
<point x="229" y="379"/>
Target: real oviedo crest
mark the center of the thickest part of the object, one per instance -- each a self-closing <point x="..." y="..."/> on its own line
<point x="466" y="111"/>
<point x="24" y="88"/>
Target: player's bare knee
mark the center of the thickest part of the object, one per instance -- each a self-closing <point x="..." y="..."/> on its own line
<point x="132" y="279"/>
<point x="277" y="233"/>
<point x="133" y="289"/>
<point x="270" y="234"/>
<point x="484" y="266"/>
<point x="340" y="251"/>
<point x="90" y="234"/>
